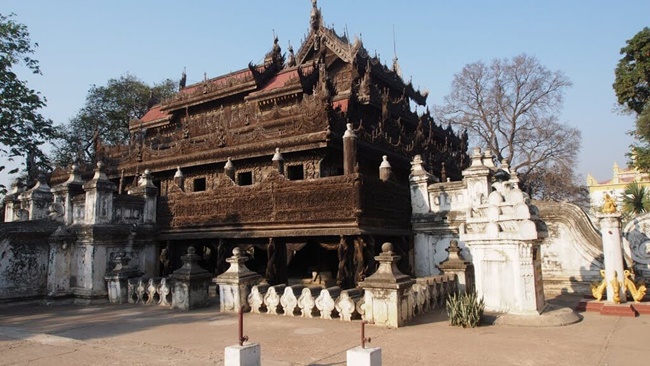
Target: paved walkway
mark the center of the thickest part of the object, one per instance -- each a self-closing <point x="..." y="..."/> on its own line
<point x="149" y="335"/>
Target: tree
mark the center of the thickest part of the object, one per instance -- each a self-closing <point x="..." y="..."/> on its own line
<point x="106" y="114"/>
<point x="558" y="183"/>
<point x="22" y="128"/>
<point x="511" y="107"/>
<point x="632" y="87"/>
<point x="636" y="199"/>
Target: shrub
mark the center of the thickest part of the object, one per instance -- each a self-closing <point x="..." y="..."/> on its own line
<point x="465" y="309"/>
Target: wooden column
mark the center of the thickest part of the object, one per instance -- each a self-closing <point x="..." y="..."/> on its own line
<point x="345" y="275"/>
<point x="223" y="253"/>
<point x="276" y="265"/>
<point x="360" y="266"/>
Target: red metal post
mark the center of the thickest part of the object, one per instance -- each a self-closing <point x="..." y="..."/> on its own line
<point x="242" y="338"/>
<point x="363" y="334"/>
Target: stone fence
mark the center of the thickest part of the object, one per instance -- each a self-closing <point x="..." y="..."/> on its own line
<point x="425" y="295"/>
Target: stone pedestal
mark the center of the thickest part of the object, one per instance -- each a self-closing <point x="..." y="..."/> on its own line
<point x="246" y="355"/>
<point x="235" y="284"/>
<point x="99" y="198"/>
<point x="190" y="283"/>
<point x="147" y="190"/>
<point x="508" y="276"/>
<point x="117" y="280"/>
<point x="503" y="232"/>
<point x="610" y="226"/>
<point x="37" y="200"/>
<point x="419" y="183"/>
<point x="12" y="202"/>
<point x="358" y="356"/>
<point x="456" y="264"/>
<point x="386" y="298"/>
<point x="278" y="161"/>
<point x="63" y="194"/>
<point x="349" y="150"/>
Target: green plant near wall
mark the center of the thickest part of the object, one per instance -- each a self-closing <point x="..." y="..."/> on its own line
<point x="636" y="199"/>
<point x="465" y="310"/>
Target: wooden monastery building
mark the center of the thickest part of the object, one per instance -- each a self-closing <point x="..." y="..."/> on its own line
<point x="303" y="162"/>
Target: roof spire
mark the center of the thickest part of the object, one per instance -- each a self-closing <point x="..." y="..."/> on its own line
<point x="396" y="67"/>
<point x="183" y="81"/>
<point x="315" y="18"/>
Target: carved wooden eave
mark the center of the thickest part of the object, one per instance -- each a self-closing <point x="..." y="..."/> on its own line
<point x="266" y="230"/>
<point x="238" y="82"/>
<point x="291" y="87"/>
<point x="391" y="78"/>
<point x="198" y="96"/>
<point x="340" y="46"/>
<point x="138" y="124"/>
<point x="238" y="152"/>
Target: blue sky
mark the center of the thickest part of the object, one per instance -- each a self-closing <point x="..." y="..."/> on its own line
<point x="88" y="42"/>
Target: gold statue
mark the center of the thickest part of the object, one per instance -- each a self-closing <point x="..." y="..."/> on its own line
<point x="637" y="293"/>
<point x="616" y="288"/>
<point x="598" y="289"/>
<point x="609" y="206"/>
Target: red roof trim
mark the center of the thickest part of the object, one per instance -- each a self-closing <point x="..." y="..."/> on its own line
<point x="343" y="104"/>
<point x="154" y="114"/>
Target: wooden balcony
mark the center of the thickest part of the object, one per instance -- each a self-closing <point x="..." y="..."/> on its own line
<point x="339" y="205"/>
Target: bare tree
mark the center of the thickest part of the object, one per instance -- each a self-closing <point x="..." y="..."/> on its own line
<point x="511" y="106"/>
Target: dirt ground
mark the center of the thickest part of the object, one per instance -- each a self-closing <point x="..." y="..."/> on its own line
<point x="151" y="335"/>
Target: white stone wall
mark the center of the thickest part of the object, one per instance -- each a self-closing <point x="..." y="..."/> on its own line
<point x="23" y="269"/>
<point x="430" y="251"/>
<point x="568" y="266"/>
<point x="571" y="255"/>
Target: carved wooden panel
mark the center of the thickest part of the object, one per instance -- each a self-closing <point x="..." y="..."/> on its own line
<point x="274" y="200"/>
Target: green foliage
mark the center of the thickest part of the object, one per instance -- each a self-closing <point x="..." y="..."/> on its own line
<point x="22" y="128"/>
<point x="636" y="199"/>
<point x="465" y="309"/>
<point x="632" y="87"/>
<point x="633" y="72"/>
<point x="107" y="111"/>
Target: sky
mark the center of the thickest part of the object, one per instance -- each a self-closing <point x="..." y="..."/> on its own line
<point x="84" y="43"/>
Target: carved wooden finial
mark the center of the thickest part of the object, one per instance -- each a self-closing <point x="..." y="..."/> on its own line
<point x="315" y="18"/>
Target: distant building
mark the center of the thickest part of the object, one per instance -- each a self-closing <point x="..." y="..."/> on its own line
<point x="616" y="185"/>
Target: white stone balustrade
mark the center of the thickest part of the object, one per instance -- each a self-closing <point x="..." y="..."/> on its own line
<point x="141" y="292"/>
<point x="164" y="291"/>
<point x="346" y="303"/>
<point x="272" y="298"/>
<point x="307" y="301"/>
<point x="256" y="298"/>
<point x="152" y="291"/>
<point x="361" y="307"/>
<point x="326" y="301"/>
<point x="419" y="297"/>
<point x="289" y="299"/>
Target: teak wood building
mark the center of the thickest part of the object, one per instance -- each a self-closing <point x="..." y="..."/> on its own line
<point x="303" y="161"/>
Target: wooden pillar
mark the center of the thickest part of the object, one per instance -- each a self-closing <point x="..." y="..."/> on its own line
<point x="276" y="265"/>
<point x="166" y="259"/>
<point x="369" y="255"/>
<point x="281" y="261"/>
<point x="345" y="275"/>
<point x="360" y="266"/>
<point x="223" y="253"/>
